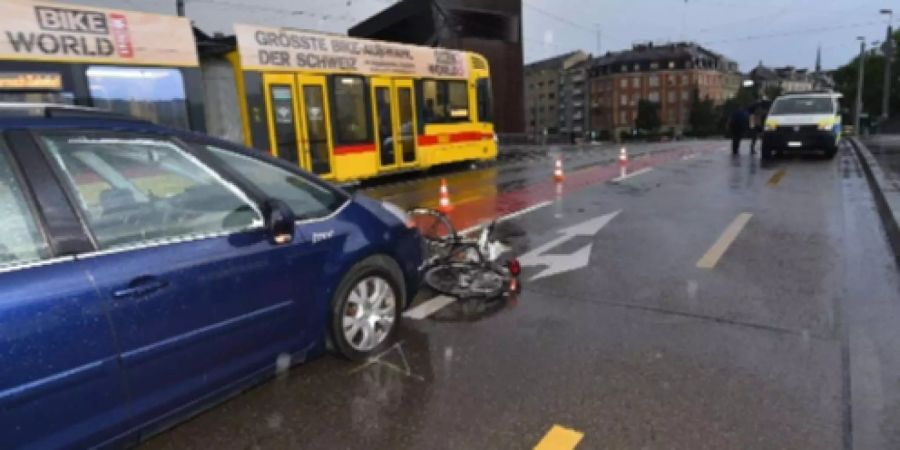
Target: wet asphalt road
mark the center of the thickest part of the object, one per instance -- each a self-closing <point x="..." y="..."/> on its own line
<point x="788" y="341"/>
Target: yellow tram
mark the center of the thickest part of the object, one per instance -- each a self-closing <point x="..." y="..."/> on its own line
<point x="349" y="109"/>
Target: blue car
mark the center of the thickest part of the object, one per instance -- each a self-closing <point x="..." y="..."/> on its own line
<point x="146" y="273"/>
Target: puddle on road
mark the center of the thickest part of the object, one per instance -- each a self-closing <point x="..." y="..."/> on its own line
<point x="473" y="310"/>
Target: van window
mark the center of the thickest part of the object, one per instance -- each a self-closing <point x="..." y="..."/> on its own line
<point x="802" y="105"/>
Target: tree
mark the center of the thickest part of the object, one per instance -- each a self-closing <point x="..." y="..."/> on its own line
<point x="846" y="76"/>
<point x="702" y="116"/>
<point x="647" y="116"/>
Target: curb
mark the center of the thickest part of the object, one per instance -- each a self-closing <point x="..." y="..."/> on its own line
<point x="886" y="197"/>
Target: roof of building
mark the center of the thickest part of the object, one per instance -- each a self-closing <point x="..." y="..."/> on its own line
<point x="651" y="52"/>
<point x="555" y="63"/>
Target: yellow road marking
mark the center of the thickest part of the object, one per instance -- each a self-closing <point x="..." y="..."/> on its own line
<point x="712" y="256"/>
<point x="559" y="438"/>
<point x="776" y="178"/>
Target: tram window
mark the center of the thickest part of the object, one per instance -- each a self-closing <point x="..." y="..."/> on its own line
<point x="155" y="94"/>
<point x="445" y="101"/>
<point x="351" y="123"/>
<point x="485" y="102"/>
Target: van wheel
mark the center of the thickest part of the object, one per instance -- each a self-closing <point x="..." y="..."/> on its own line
<point x="366" y="308"/>
<point x="766" y="153"/>
<point x="830" y="152"/>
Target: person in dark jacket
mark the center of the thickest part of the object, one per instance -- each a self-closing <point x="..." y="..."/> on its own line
<point x="738" y="126"/>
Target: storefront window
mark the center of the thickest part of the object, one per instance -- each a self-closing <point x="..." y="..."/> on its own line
<point x="444" y="101"/>
<point x="351" y="122"/>
<point x="155" y="94"/>
<point x="33" y="87"/>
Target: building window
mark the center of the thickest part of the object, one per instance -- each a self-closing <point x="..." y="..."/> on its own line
<point x="654" y="96"/>
<point x="623" y="100"/>
<point x="671" y="116"/>
<point x="654" y="66"/>
<point x="671" y="64"/>
<point x="351" y="122"/>
<point x="551" y="96"/>
<point x="637" y="67"/>
<point x="155" y="94"/>
<point x="623" y="117"/>
<point x="634" y="99"/>
<point x="623" y="82"/>
<point x="685" y="80"/>
<point x="636" y="82"/>
<point x="444" y="101"/>
<point x="673" y="96"/>
<point x="654" y="80"/>
<point x="685" y="95"/>
<point x="624" y="68"/>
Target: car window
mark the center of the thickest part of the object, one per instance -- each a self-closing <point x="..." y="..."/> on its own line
<point x="802" y="105"/>
<point x="20" y="238"/>
<point x="307" y="199"/>
<point x="137" y="189"/>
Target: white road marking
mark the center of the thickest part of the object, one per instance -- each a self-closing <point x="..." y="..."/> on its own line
<point x="712" y="256"/>
<point x="555" y="263"/>
<point x="632" y="174"/>
<point x="428" y="307"/>
<point x="510" y="216"/>
<point x="689" y="157"/>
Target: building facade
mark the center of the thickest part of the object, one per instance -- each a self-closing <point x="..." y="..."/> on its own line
<point x="573" y="98"/>
<point x="786" y="79"/>
<point x="550" y="90"/>
<point x="492" y="28"/>
<point x="669" y="75"/>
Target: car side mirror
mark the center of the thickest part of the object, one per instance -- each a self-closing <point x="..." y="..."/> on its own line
<point x="279" y="221"/>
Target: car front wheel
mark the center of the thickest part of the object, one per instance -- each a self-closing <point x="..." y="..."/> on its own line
<point x="366" y="308"/>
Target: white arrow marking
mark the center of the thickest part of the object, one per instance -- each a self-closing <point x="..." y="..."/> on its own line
<point x="557" y="264"/>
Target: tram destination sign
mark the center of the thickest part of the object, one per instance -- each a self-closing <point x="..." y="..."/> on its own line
<point x="37" y="30"/>
<point x="281" y="49"/>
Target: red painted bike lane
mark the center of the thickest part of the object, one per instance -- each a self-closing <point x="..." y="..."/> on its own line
<point x="491" y="207"/>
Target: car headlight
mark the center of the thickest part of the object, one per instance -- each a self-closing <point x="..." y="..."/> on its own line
<point x="399" y="213"/>
<point x="771" y="125"/>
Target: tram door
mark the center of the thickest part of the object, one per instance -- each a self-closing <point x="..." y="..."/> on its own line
<point x="297" y="108"/>
<point x="282" y="109"/>
<point x="315" y="113"/>
<point x="394" y="121"/>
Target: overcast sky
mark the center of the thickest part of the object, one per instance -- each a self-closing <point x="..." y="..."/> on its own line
<point x="777" y="32"/>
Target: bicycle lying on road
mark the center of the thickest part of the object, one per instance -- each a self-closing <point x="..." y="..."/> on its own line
<point x="462" y="267"/>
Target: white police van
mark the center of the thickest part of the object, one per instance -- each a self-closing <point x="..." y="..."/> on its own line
<point x="803" y="122"/>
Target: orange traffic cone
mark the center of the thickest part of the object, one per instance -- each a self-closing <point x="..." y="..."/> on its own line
<point x="623" y="157"/>
<point x="558" y="171"/>
<point x="444" y="204"/>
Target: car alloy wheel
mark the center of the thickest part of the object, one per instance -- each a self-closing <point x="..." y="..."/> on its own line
<point x="369" y="312"/>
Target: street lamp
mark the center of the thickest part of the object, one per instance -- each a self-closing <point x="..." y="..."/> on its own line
<point x="859" y="82"/>
<point x="888" y="48"/>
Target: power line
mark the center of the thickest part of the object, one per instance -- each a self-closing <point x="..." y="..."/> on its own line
<point x="794" y="32"/>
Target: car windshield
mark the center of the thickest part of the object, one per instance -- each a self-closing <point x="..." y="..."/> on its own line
<point x="802" y="105"/>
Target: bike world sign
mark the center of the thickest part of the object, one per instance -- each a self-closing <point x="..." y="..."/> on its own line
<point x="31" y="30"/>
<point x="274" y="49"/>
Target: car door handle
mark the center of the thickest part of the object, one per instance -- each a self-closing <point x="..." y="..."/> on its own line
<point x="141" y="286"/>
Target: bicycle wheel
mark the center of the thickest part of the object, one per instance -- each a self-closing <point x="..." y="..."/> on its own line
<point x="465" y="280"/>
